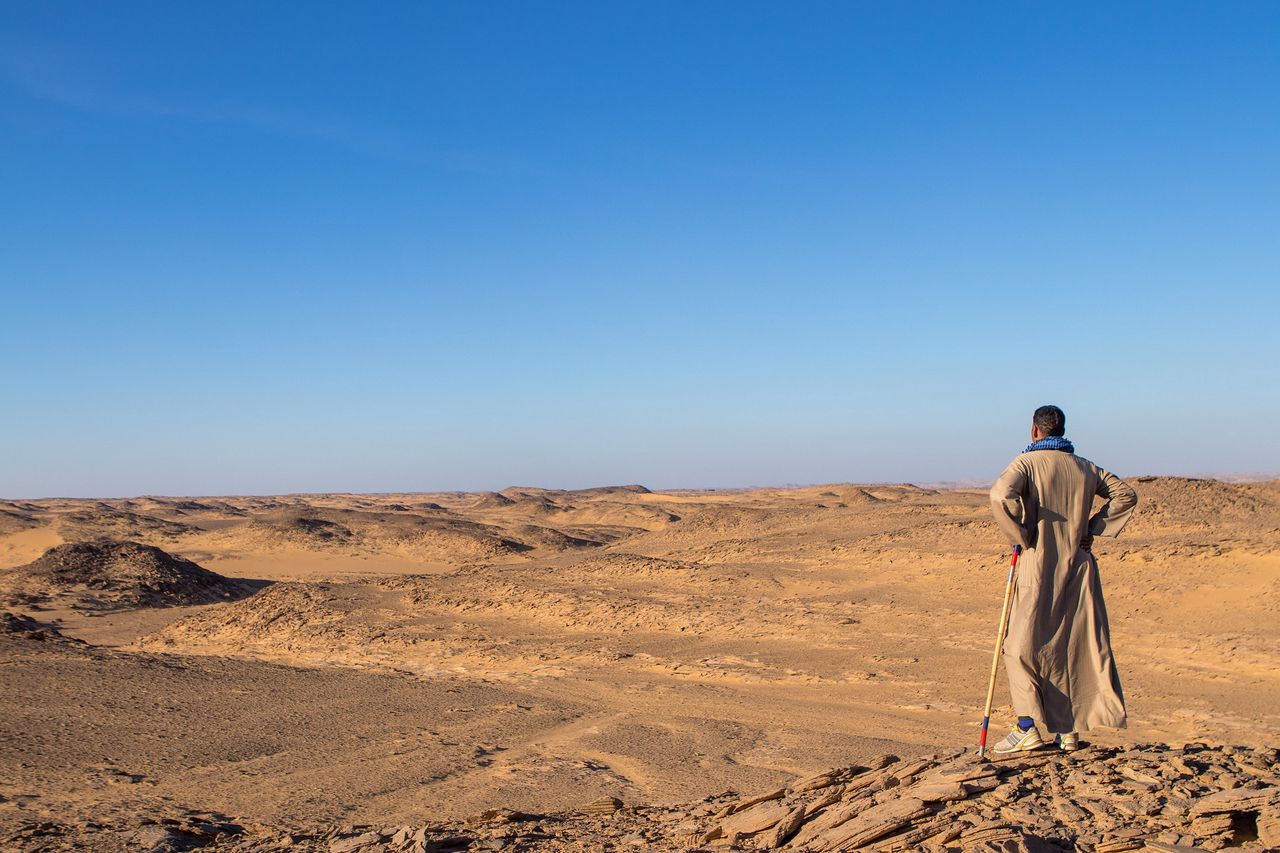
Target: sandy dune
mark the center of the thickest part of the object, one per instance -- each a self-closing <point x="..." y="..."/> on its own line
<point x="415" y="659"/>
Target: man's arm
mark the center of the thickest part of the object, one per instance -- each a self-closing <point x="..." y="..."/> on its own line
<point x="1007" y="506"/>
<point x="1116" y="512"/>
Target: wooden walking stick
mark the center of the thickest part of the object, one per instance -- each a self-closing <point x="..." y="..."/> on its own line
<point x="995" y="658"/>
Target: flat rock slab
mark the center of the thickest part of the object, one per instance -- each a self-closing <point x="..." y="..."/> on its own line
<point x="755" y="819"/>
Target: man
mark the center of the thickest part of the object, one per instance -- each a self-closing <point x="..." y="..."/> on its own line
<point x="1058" y="650"/>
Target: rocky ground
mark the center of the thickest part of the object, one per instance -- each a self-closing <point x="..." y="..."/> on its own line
<point x="1105" y="799"/>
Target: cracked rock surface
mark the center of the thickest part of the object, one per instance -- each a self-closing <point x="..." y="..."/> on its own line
<point x="1104" y="799"/>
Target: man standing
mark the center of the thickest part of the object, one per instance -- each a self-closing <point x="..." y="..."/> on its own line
<point x="1058" y="649"/>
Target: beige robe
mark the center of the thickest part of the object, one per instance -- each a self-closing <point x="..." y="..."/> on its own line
<point x="1058" y="650"/>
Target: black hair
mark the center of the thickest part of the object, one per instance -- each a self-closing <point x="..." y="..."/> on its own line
<point x="1050" y="421"/>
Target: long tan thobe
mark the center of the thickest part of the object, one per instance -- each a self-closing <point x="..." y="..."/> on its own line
<point x="1058" y="650"/>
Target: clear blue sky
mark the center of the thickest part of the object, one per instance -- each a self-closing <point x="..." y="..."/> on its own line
<point x="269" y="247"/>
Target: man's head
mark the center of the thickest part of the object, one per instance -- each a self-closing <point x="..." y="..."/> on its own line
<point x="1048" y="421"/>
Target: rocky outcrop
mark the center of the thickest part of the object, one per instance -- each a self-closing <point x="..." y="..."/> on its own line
<point x="110" y="574"/>
<point x="1106" y="800"/>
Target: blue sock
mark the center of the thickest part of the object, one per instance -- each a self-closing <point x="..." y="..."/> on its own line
<point x="1025" y="723"/>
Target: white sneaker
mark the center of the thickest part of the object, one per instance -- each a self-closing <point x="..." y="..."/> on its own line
<point x="1068" y="742"/>
<point x="1020" y="741"/>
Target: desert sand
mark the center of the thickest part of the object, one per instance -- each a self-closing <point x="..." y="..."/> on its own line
<point x="613" y="668"/>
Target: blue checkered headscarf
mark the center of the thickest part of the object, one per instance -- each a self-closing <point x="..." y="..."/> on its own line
<point x="1053" y="442"/>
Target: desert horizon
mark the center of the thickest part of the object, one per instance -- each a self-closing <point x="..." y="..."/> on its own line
<point x="941" y="485"/>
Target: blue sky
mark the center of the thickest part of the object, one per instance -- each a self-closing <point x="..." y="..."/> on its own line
<point x="256" y="248"/>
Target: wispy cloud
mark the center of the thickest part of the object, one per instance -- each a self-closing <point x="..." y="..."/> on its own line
<point x="90" y="84"/>
<point x="57" y="76"/>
